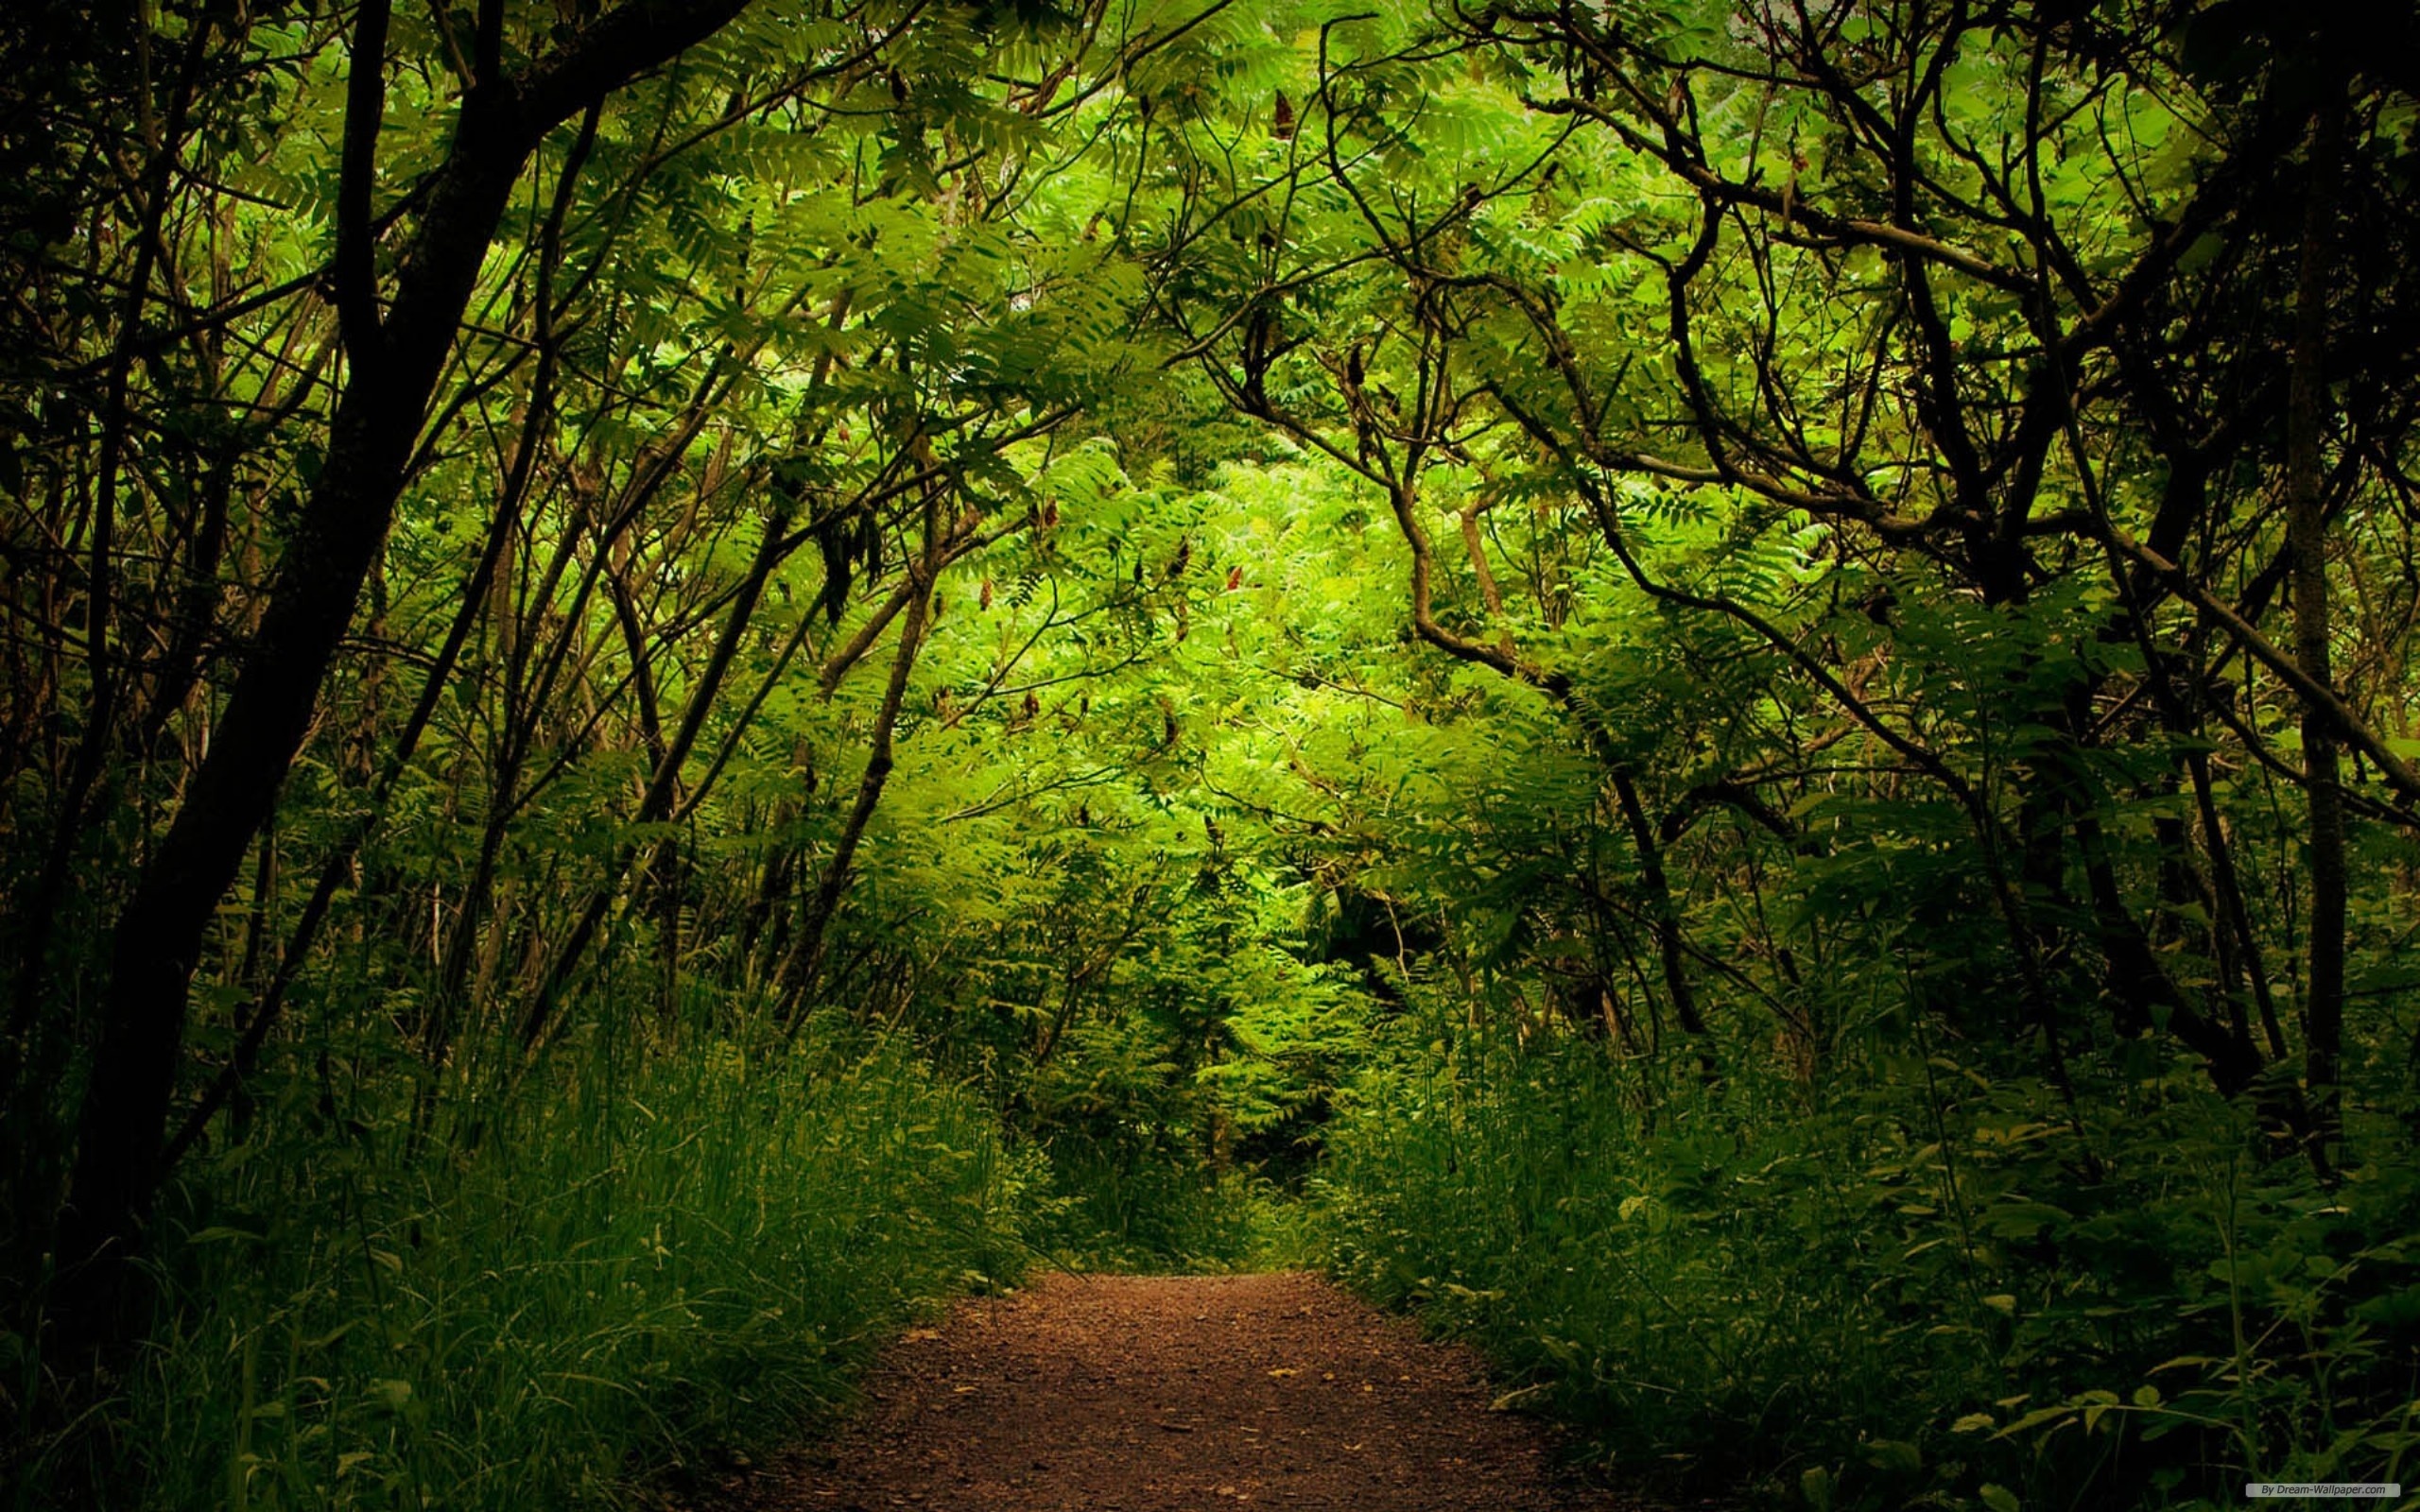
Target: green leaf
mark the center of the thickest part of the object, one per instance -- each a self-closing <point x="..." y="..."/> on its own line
<point x="1894" y="1456"/>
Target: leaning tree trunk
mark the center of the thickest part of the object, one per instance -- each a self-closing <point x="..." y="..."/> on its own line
<point x="805" y="963"/>
<point x="396" y="363"/>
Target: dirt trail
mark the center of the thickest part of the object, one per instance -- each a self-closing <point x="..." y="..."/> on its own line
<point x="1175" y="1393"/>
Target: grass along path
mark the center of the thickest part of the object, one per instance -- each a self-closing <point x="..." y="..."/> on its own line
<point x="1173" y="1393"/>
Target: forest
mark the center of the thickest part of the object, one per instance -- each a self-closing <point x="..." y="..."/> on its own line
<point x="1718" y="694"/>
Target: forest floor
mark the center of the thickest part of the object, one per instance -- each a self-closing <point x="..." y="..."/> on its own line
<point x="1175" y="1393"/>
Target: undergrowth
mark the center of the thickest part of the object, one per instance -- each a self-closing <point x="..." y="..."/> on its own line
<point x="1866" y="1297"/>
<point x="1130" y="1211"/>
<point x="647" y="1263"/>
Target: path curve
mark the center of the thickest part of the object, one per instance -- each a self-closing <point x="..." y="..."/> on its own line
<point x="1175" y="1393"/>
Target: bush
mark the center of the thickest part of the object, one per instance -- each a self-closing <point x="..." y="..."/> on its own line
<point x="637" y="1269"/>
<point x="1909" y="1290"/>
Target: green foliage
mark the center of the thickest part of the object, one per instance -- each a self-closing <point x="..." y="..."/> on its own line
<point x="1893" y="1287"/>
<point x="1683" y="659"/>
<point x="635" y="1269"/>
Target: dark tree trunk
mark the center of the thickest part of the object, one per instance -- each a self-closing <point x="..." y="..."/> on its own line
<point x="2307" y="544"/>
<point x="157" y="939"/>
<point x="1669" y="945"/>
<point x="795" y="981"/>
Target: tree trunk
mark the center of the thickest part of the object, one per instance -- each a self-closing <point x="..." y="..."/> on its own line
<point x="656" y="802"/>
<point x="1669" y="944"/>
<point x="159" y="938"/>
<point x="2307" y="544"/>
<point x="805" y="962"/>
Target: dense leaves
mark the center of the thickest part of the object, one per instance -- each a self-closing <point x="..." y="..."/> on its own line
<point x="1723" y="693"/>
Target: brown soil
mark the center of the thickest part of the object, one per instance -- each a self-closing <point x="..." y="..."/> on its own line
<point x="1175" y="1393"/>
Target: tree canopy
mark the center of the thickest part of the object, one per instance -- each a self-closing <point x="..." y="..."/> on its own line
<point x="1729" y="687"/>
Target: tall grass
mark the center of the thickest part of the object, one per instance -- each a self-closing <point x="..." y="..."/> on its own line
<point x="1132" y="1210"/>
<point x="1892" y="1291"/>
<point x="1142" y="1207"/>
<point x="637" y="1266"/>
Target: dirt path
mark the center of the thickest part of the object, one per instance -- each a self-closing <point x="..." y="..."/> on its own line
<point x="1175" y="1393"/>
